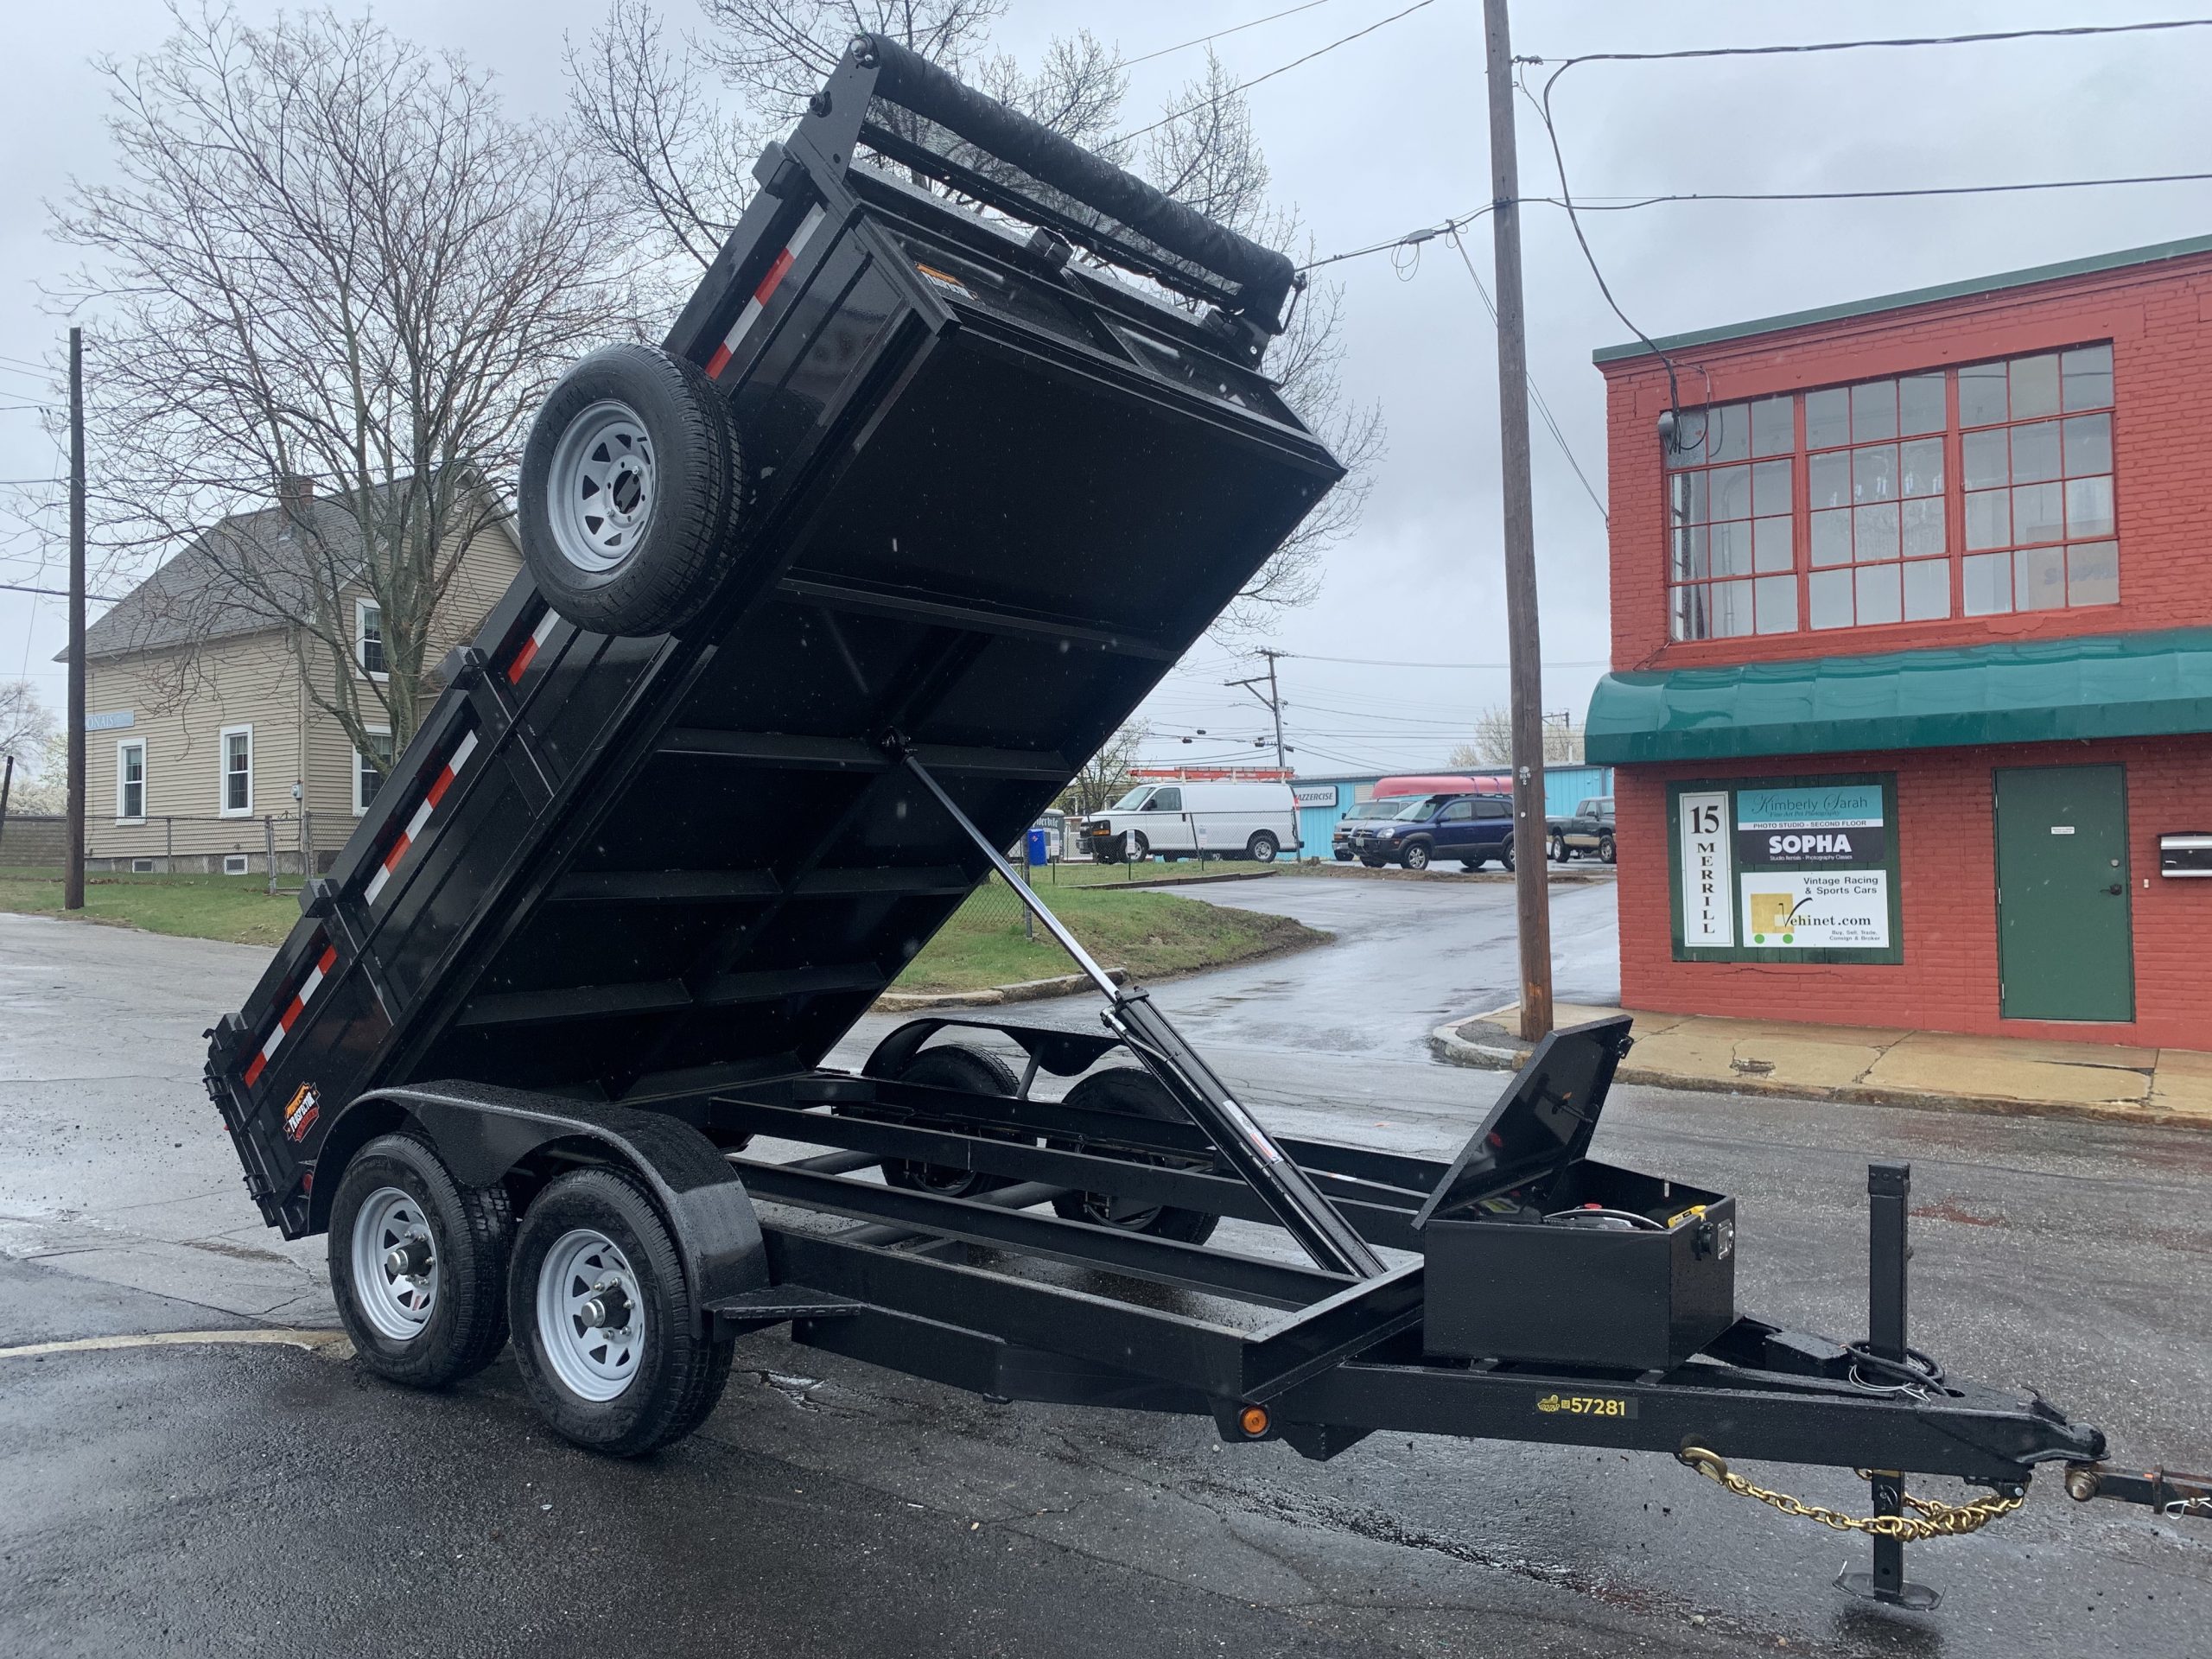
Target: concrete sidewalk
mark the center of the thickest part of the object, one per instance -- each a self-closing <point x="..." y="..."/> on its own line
<point x="1881" y="1066"/>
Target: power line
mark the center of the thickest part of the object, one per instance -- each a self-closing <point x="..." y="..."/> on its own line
<point x="1244" y="86"/>
<point x="1387" y="662"/>
<point x="2064" y="32"/>
<point x="55" y="592"/>
<point x="1630" y="204"/>
<point x="1222" y="34"/>
<point x="1535" y="392"/>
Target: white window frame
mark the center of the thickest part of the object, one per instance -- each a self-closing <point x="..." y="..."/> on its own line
<point x="361" y="609"/>
<point x="139" y="743"/>
<point x="360" y="800"/>
<point x="222" y="807"/>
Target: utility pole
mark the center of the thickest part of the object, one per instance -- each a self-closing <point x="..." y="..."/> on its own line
<point x="72" y="873"/>
<point x="1273" y="701"/>
<point x="1531" y="884"/>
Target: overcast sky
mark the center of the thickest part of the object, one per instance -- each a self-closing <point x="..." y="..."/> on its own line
<point x="1373" y="140"/>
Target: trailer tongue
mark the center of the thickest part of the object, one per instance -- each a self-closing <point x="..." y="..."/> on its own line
<point x="826" y="600"/>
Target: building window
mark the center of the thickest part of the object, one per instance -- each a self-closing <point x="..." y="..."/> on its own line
<point x="131" y="782"/>
<point x="368" y="637"/>
<point x="1732" y="563"/>
<point x="1968" y="492"/>
<point x="237" y="743"/>
<point x="369" y="766"/>
<point x="2036" y="454"/>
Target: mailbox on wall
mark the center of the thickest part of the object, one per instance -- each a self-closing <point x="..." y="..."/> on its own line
<point x="2188" y="853"/>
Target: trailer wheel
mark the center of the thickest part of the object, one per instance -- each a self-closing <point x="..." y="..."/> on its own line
<point x="953" y="1066"/>
<point x="417" y="1262"/>
<point x="630" y="492"/>
<point x="603" y="1319"/>
<point x="1137" y="1093"/>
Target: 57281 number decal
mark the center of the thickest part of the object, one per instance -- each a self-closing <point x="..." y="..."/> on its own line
<point x="1588" y="1405"/>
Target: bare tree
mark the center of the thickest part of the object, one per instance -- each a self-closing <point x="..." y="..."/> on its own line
<point x="1105" y="777"/>
<point x="683" y="154"/>
<point x="334" y="275"/>
<point x="1493" y="741"/>
<point x="29" y="733"/>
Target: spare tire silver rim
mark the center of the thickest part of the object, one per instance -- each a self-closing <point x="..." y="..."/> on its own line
<point x="590" y="1317"/>
<point x="600" y="488"/>
<point x="395" y="1264"/>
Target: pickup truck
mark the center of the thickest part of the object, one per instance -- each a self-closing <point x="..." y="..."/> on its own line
<point x="1589" y="831"/>
<point x="1473" y="828"/>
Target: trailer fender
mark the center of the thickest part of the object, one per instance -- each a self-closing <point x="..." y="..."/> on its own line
<point x="1062" y="1054"/>
<point x="484" y="1132"/>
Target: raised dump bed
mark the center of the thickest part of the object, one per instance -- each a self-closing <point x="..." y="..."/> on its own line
<point x="827" y="599"/>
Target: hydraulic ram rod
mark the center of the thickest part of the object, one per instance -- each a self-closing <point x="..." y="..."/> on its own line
<point x="1249" y="1149"/>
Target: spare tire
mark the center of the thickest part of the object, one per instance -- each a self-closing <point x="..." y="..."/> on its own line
<point x="630" y="492"/>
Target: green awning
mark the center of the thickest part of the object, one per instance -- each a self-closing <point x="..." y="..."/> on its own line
<point x="2041" y="691"/>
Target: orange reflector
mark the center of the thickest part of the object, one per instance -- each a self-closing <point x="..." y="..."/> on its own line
<point x="1253" y="1419"/>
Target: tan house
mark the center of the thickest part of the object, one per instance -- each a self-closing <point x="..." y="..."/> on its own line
<point x="205" y="749"/>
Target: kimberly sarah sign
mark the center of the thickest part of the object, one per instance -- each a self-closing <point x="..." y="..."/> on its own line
<point x="1839" y="823"/>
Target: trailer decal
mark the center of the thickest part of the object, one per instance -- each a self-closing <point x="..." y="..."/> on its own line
<point x="530" y="648"/>
<point x="761" y="295"/>
<point x="408" y="836"/>
<point x="309" y="986"/>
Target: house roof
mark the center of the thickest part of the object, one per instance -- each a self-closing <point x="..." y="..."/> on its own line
<point x="199" y="594"/>
<point x="2088" y="266"/>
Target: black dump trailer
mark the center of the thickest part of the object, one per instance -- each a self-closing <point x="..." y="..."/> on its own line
<point x="956" y="449"/>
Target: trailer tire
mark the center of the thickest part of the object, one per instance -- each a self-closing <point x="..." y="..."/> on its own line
<point x="590" y="1231"/>
<point x="1137" y="1093"/>
<point x="951" y="1066"/>
<point x="448" y="1319"/>
<point x="646" y="433"/>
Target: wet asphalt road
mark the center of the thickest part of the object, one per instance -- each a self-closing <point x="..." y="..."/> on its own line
<point x="216" y="1500"/>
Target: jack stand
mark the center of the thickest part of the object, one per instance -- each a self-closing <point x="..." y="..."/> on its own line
<point x="1889" y="1196"/>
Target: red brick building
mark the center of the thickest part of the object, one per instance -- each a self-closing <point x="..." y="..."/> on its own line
<point x="1911" y="699"/>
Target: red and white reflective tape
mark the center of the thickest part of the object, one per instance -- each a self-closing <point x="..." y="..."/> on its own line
<point x="529" y="648"/>
<point x="439" y="785"/>
<point x="309" y="986"/>
<point x="761" y="295"/>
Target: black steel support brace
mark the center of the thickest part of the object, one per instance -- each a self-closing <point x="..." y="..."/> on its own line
<point x="1303" y="1209"/>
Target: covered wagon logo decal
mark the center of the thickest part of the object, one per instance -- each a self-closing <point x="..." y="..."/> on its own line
<point x="299" y="1116"/>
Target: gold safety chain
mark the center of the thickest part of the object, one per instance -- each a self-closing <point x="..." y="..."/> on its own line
<point x="1929" y="1519"/>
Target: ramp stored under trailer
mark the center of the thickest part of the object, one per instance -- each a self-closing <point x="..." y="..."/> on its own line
<point x="825" y="601"/>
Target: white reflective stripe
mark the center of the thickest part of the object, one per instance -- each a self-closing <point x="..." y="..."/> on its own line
<point x="376" y="884"/>
<point x="422" y="817"/>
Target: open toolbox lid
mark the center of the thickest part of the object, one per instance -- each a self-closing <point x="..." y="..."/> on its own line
<point x="1542" y="1123"/>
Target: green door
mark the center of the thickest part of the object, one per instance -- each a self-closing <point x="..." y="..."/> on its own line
<point x="2064" y="948"/>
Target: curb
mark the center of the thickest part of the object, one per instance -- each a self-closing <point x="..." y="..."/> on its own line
<point x="1500" y="1051"/>
<point x="1027" y="990"/>
<point x="1171" y="881"/>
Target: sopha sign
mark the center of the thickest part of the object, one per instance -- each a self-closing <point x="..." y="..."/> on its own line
<point x="1801" y="869"/>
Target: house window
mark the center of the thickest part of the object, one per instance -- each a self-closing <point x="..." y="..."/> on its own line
<point x="368" y="637"/>
<point x="131" y="782"/>
<point x="370" y="766"/>
<point x="236" y="744"/>
<point x="1954" y="493"/>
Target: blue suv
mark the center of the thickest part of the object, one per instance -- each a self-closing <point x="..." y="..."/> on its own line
<point x="1473" y="828"/>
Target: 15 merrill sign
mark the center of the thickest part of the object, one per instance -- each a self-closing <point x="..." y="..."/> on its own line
<point x="1788" y="869"/>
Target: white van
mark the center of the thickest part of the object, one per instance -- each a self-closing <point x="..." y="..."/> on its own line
<point x="1242" y="820"/>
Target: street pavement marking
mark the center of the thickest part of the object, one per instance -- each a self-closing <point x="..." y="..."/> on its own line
<point x="330" y="1344"/>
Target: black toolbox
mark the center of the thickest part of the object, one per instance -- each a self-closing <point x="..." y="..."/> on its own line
<point x="1538" y="1252"/>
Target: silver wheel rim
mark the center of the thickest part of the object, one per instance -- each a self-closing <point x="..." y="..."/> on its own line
<point x="395" y="1264"/>
<point x="585" y="1285"/>
<point x="600" y="491"/>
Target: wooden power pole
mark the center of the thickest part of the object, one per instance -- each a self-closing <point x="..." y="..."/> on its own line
<point x="1531" y="884"/>
<point x="73" y="877"/>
